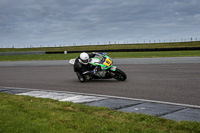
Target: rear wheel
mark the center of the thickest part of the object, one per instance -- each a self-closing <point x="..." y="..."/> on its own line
<point x="119" y="75"/>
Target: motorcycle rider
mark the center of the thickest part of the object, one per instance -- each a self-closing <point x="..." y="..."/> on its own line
<point x="82" y="65"/>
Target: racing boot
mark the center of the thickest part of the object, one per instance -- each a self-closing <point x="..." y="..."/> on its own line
<point x="80" y="77"/>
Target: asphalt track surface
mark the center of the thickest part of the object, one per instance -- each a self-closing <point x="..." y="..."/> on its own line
<point x="175" y="80"/>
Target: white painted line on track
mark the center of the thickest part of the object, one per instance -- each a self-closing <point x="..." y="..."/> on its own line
<point x="82" y="99"/>
<point x="62" y="96"/>
<point x="108" y="96"/>
<point x="136" y="99"/>
<point x="45" y="94"/>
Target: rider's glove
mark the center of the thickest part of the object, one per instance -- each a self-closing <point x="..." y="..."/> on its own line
<point x="93" y="71"/>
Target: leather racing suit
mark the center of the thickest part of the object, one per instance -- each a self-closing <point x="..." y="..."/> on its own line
<point x="80" y="68"/>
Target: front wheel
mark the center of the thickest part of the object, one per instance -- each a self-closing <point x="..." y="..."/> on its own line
<point x="119" y="75"/>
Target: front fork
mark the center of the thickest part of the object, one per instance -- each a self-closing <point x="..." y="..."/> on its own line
<point x="112" y="70"/>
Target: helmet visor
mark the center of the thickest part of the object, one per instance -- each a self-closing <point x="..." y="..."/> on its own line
<point x="85" y="61"/>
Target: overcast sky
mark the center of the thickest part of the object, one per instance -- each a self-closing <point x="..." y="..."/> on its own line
<point x="50" y="22"/>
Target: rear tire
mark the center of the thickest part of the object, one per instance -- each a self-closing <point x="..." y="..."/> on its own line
<point x="119" y="75"/>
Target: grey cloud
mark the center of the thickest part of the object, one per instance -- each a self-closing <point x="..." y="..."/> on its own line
<point x="68" y="21"/>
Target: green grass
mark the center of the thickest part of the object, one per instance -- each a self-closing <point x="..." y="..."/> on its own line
<point x="104" y="47"/>
<point x="111" y="54"/>
<point x="24" y="114"/>
<point x="155" y="54"/>
<point x="107" y="47"/>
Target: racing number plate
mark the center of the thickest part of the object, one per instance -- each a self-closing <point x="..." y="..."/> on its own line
<point x="107" y="62"/>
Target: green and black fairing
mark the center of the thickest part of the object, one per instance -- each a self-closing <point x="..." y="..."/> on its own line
<point x="104" y="61"/>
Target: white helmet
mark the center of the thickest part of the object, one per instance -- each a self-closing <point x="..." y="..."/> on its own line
<point x="84" y="58"/>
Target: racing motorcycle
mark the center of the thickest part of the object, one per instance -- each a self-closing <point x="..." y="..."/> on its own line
<point x="104" y="68"/>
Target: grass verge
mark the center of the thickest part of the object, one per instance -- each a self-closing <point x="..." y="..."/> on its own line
<point x="111" y="54"/>
<point x="28" y="114"/>
<point x="107" y="47"/>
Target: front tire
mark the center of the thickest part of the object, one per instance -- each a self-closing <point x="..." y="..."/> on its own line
<point x="119" y="75"/>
